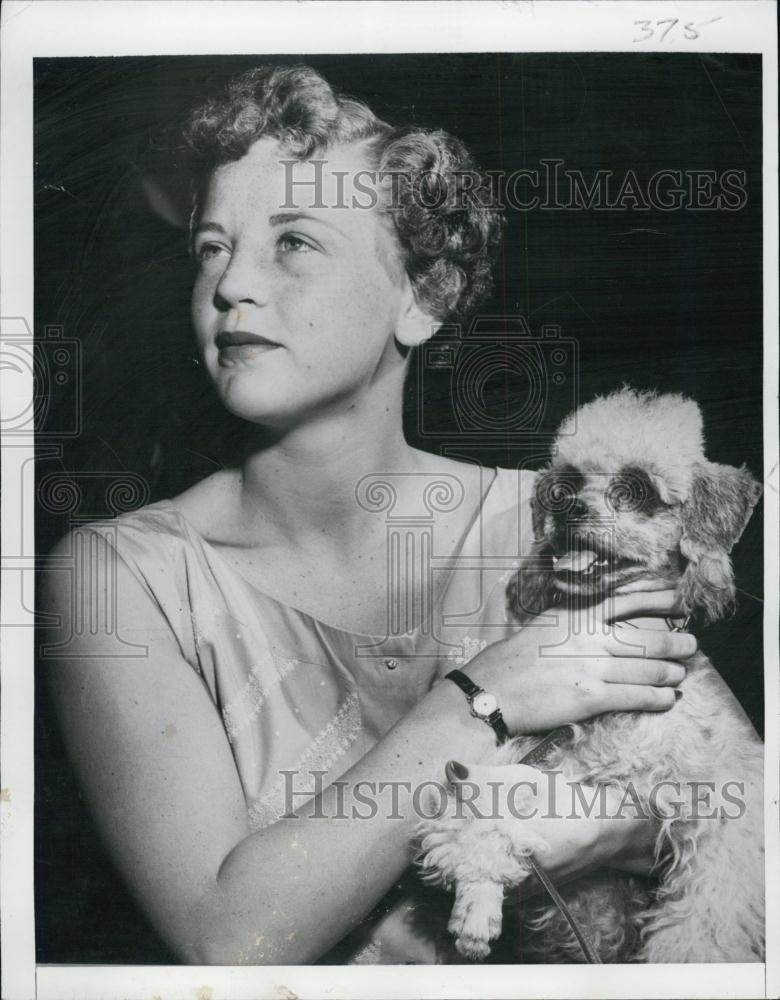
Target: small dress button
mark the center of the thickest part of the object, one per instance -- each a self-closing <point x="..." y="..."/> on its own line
<point x="391" y="663"/>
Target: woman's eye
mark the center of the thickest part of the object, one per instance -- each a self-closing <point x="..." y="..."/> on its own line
<point x="207" y="251"/>
<point x="293" y="244"/>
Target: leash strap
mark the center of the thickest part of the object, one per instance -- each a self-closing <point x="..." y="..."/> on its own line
<point x="536" y="756"/>
<point x="588" y="949"/>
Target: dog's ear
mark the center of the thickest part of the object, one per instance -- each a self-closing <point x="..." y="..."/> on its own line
<point x="714" y="515"/>
<point x="531" y="590"/>
<point x="719" y="505"/>
<point x="540" y="500"/>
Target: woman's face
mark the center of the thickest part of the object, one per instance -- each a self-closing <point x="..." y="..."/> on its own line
<point x="295" y="308"/>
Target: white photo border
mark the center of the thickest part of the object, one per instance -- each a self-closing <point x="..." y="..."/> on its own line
<point x="163" y="27"/>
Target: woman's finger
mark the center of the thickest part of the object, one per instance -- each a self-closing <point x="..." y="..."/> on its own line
<point x="644" y="602"/>
<point x="637" y="698"/>
<point x="655" y="672"/>
<point x="653" y="644"/>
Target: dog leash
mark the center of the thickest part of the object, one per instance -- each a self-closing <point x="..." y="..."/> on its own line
<point x="534" y="756"/>
<point x="588" y="948"/>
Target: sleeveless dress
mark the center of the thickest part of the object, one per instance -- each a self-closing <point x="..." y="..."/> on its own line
<point x="297" y="694"/>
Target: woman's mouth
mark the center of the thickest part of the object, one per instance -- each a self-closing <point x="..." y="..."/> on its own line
<point x="240" y="345"/>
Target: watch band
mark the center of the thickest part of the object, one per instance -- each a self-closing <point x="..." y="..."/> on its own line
<point x="495" y="719"/>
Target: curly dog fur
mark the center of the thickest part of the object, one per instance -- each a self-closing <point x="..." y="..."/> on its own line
<point x="628" y="502"/>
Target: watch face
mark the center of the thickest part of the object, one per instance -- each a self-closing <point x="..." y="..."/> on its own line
<point x="484" y="704"/>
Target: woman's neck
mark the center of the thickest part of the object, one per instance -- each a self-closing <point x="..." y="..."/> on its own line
<point x="302" y="483"/>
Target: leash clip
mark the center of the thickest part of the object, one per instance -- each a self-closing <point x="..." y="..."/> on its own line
<point x="678" y="628"/>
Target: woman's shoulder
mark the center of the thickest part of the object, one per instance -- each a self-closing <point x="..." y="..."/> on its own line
<point x="161" y="519"/>
<point x="515" y="485"/>
<point x="145" y="544"/>
<point x="144" y="527"/>
<point x="151" y="539"/>
<point x="144" y="562"/>
<point x="208" y="505"/>
<point x="508" y="516"/>
<point x="502" y="487"/>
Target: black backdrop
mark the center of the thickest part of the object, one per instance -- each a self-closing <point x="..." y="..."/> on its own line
<point x="666" y="300"/>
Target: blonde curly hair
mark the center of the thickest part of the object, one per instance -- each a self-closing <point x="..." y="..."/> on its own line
<point x="442" y="211"/>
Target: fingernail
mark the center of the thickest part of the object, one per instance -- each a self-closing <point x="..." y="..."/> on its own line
<point x="677" y="694"/>
<point x="456" y="771"/>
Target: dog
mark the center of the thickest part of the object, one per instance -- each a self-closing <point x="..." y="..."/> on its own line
<point x="628" y="502"/>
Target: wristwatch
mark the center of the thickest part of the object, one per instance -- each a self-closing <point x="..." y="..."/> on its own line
<point x="483" y="705"/>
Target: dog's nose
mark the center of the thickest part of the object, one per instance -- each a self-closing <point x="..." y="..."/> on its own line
<point x="456" y="771"/>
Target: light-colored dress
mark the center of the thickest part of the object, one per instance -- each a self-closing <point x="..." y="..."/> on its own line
<point x="296" y="694"/>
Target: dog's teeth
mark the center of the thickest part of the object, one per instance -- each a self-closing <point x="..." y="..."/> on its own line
<point x="576" y="561"/>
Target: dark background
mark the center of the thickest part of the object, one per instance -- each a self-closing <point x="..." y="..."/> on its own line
<point x="663" y="300"/>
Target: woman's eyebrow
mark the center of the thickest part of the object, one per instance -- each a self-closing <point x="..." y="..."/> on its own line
<point x="283" y="217"/>
<point x="211" y="227"/>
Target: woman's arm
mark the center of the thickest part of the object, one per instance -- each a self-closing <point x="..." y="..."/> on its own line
<point x="157" y="772"/>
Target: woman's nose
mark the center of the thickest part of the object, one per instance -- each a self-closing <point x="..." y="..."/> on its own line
<point x="245" y="279"/>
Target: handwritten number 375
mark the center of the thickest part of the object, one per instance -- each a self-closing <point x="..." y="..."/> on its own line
<point x="651" y="27"/>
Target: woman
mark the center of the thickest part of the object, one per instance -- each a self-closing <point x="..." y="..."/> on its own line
<point x="258" y="599"/>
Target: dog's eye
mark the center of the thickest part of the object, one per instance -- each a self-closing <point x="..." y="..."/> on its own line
<point x="562" y="492"/>
<point x="623" y="495"/>
<point x="556" y="495"/>
<point x="631" y="490"/>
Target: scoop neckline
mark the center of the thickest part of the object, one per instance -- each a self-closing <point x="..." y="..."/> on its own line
<point x="468" y="531"/>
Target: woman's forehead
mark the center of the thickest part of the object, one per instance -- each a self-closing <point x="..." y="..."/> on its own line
<point x="269" y="177"/>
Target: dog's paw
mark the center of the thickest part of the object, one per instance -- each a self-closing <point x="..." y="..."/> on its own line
<point x="473" y="948"/>
<point x="476" y="918"/>
<point x="473" y="935"/>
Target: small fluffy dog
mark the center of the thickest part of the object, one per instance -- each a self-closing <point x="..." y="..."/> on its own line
<point x="628" y="502"/>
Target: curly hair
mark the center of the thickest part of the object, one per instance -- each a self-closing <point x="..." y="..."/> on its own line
<point x="441" y="204"/>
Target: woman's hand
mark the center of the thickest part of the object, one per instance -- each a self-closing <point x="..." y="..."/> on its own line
<point x="567" y="666"/>
<point x="583" y="837"/>
<point x="574" y="828"/>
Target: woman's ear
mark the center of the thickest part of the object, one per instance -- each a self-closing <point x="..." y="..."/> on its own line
<point x="415" y="324"/>
<point x="714" y="516"/>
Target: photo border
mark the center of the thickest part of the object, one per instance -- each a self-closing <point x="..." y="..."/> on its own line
<point x="163" y="27"/>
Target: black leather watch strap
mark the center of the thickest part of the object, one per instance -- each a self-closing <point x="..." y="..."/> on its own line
<point x="464" y="682"/>
<point x="495" y="720"/>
